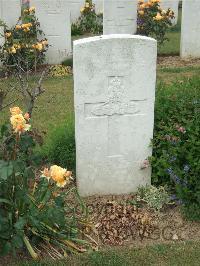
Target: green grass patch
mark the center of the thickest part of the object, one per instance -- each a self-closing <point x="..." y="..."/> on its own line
<point x="182" y="254"/>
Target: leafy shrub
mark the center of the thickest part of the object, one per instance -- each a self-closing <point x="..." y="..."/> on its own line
<point x="153" y="21"/>
<point x="35" y="208"/>
<point x="176" y="144"/>
<point x="22" y="48"/>
<point x="60" y="145"/>
<point x="68" y="62"/>
<point x="89" y="21"/>
<point x="155" y="197"/>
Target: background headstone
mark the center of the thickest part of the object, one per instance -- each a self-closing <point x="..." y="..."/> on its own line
<point x="10" y="11"/>
<point x="119" y="17"/>
<point x="75" y="6"/>
<point x="54" y="18"/>
<point x="174" y="5"/>
<point x="98" y="6"/>
<point x="114" y="86"/>
<point x="190" y="29"/>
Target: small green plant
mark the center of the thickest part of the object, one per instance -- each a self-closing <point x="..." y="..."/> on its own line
<point x="155" y="197"/>
<point x="153" y="21"/>
<point x="176" y="144"/>
<point x="38" y="209"/>
<point x="89" y="21"/>
<point x="60" y="147"/>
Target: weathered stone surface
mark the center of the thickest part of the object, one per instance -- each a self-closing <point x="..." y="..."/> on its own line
<point x="10" y="11"/>
<point x="114" y="86"/>
<point x="75" y="6"/>
<point x="120" y="17"/>
<point x="54" y="17"/>
<point x="173" y="4"/>
<point x="190" y="29"/>
<point x="98" y="6"/>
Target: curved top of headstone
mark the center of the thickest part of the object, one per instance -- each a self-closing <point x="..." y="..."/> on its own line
<point x="115" y="36"/>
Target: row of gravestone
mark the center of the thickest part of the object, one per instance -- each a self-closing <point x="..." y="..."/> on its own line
<point x="119" y="17"/>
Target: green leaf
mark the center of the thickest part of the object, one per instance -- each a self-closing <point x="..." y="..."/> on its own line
<point x="19" y="225"/>
<point x="6" y="169"/>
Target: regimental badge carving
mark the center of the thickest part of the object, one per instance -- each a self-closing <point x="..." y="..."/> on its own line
<point x="116" y="104"/>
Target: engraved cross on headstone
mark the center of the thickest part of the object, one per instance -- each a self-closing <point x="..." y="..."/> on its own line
<point x="115" y="106"/>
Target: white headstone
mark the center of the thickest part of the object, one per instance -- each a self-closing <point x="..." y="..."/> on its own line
<point x="190" y="29"/>
<point x="120" y="17"/>
<point x="75" y="7"/>
<point x="98" y="6"/>
<point x="2" y="39"/>
<point x="54" y="18"/>
<point x="173" y="5"/>
<point x="114" y="86"/>
<point x="10" y="11"/>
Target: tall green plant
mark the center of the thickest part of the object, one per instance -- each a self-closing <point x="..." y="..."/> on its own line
<point x="34" y="207"/>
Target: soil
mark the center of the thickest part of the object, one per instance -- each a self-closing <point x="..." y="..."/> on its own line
<point x="148" y="226"/>
<point x="177" y="61"/>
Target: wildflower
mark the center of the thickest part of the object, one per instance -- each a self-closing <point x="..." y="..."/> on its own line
<point x="181" y="129"/>
<point x="172" y="159"/>
<point x="186" y="168"/>
<point x="145" y="164"/>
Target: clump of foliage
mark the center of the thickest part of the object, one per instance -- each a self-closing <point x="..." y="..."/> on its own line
<point x="20" y="55"/>
<point x="22" y="48"/>
<point x="60" y="146"/>
<point x="153" y="21"/>
<point x="37" y="208"/>
<point x="60" y="71"/>
<point x="89" y="21"/>
<point x="154" y="197"/>
<point x="176" y="143"/>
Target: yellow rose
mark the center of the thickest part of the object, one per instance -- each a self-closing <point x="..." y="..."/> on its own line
<point x="141" y="12"/>
<point x="158" y="17"/>
<point x="15" y="111"/>
<point x="82" y="9"/>
<point x="32" y="9"/>
<point x="39" y="46"/>
<point x="87" y="4"/>
<point x="18" y="27"/>
<point x="8" y="34"/>
<point x="58" y="175"/>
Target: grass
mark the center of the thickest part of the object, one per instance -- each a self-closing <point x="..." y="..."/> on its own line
<point x="172" y="47"/>
<point x="183" y="254"/>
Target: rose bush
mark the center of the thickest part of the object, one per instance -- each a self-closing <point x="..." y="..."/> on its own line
<point x="152" y="20"/>
<point x="34" y="208"/>
<point x="89" y="21"/>
<point x="22" y="48"/>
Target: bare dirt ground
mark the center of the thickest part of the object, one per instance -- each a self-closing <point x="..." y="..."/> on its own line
<point x="177" y="61"/>
<point x="117" y="222"/>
